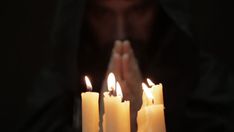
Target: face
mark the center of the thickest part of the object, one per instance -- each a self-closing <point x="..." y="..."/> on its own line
<point x="111" y="20"/>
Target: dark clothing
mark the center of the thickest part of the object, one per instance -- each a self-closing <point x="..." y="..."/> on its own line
<point x="196" y="85"/>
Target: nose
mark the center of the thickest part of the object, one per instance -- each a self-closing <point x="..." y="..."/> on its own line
<point x="121" y="28"/>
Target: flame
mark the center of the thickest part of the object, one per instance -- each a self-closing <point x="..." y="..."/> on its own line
<point x="118" y="90"/>
<point x="150" y="83"/>
<point x="147" y="91"/>
<point x="88" y="83"/>
<point x="111" y="82"/>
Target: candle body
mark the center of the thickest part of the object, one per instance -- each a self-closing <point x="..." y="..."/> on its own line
<point x="151" y="119"/>
<point x="90" y="112"/>
<point x="116" y="116"/>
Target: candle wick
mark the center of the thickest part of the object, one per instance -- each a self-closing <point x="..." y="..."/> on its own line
<point x="111" y="93"/>
<point x="152" y="101"/>
<point x="89" y="90"/>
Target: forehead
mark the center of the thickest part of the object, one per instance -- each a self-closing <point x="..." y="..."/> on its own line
<point x="120" y="3"/>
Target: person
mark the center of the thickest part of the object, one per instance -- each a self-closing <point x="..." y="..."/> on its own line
<point x="146" y="26"/>
<point x="134" y="39"/>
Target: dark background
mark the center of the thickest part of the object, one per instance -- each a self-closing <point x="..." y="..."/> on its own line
<point x="25" y="29"/>
<point x="212" y="26"/>
<point x="25" y="33"/>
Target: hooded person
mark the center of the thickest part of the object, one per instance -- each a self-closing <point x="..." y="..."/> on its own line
<point x="160" y="47"/>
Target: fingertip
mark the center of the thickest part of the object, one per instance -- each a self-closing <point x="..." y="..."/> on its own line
<point x="117" y="41"/>
<point x="126" y="42"/>
<point x="127" y="46"/>
<point x="118" y="46"/>
<point x="116" y="56"/>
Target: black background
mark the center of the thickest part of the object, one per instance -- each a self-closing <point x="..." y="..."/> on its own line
<point x="25" y="37"/>
<point x="25" y="28"/>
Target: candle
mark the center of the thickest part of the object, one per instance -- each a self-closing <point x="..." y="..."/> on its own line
<point x="90" y="109"/>
<point x="157" y="92"/>
<point x="150" y="118"/>
<point x="116" y="116"/>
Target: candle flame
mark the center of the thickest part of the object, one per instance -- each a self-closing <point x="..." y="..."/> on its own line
<point x="88" y="83"/>
<point x="150" y="83"/>
<point x="111" y="82"/>
<point x="118" y="90"/>
<point x="147" y="91"/>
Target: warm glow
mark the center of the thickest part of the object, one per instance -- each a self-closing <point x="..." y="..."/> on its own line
<point x="88" y="83"/>
<point x="147" y="91"/>
<point x="118" y="90"/>
<point x="111" y="82"/>
<point x="150" y="83"/>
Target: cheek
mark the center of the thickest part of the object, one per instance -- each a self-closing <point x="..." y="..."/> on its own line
<point x="141" y="24"/>
<point x="102" y="28"/>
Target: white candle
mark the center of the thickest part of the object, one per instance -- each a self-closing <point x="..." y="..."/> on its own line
<point x="150" y="117"/>
<point x="156" y="90"/>
<point x="116" y="116"/>
<point x="90" y="109"/>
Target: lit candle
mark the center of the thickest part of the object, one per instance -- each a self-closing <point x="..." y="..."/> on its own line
<point x="116" y="116"/>
<point x="156" y="90"/>
<point x="90" y="109"/>
<point x="150" y="118"/>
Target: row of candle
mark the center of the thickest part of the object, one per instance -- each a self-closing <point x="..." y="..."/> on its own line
<point x="116" y="118"/>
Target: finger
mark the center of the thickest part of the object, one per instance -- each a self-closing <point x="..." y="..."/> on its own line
<point x="130" y="67"/>
<point x="116" y="63"/>
<point x="131" y="71"/>
<point x="117" y="67"/>
<point x="115" y="56"/>
<point x="126" y="47"/>
<point x="125" y="64"/>
<point x="118" y="47"/>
